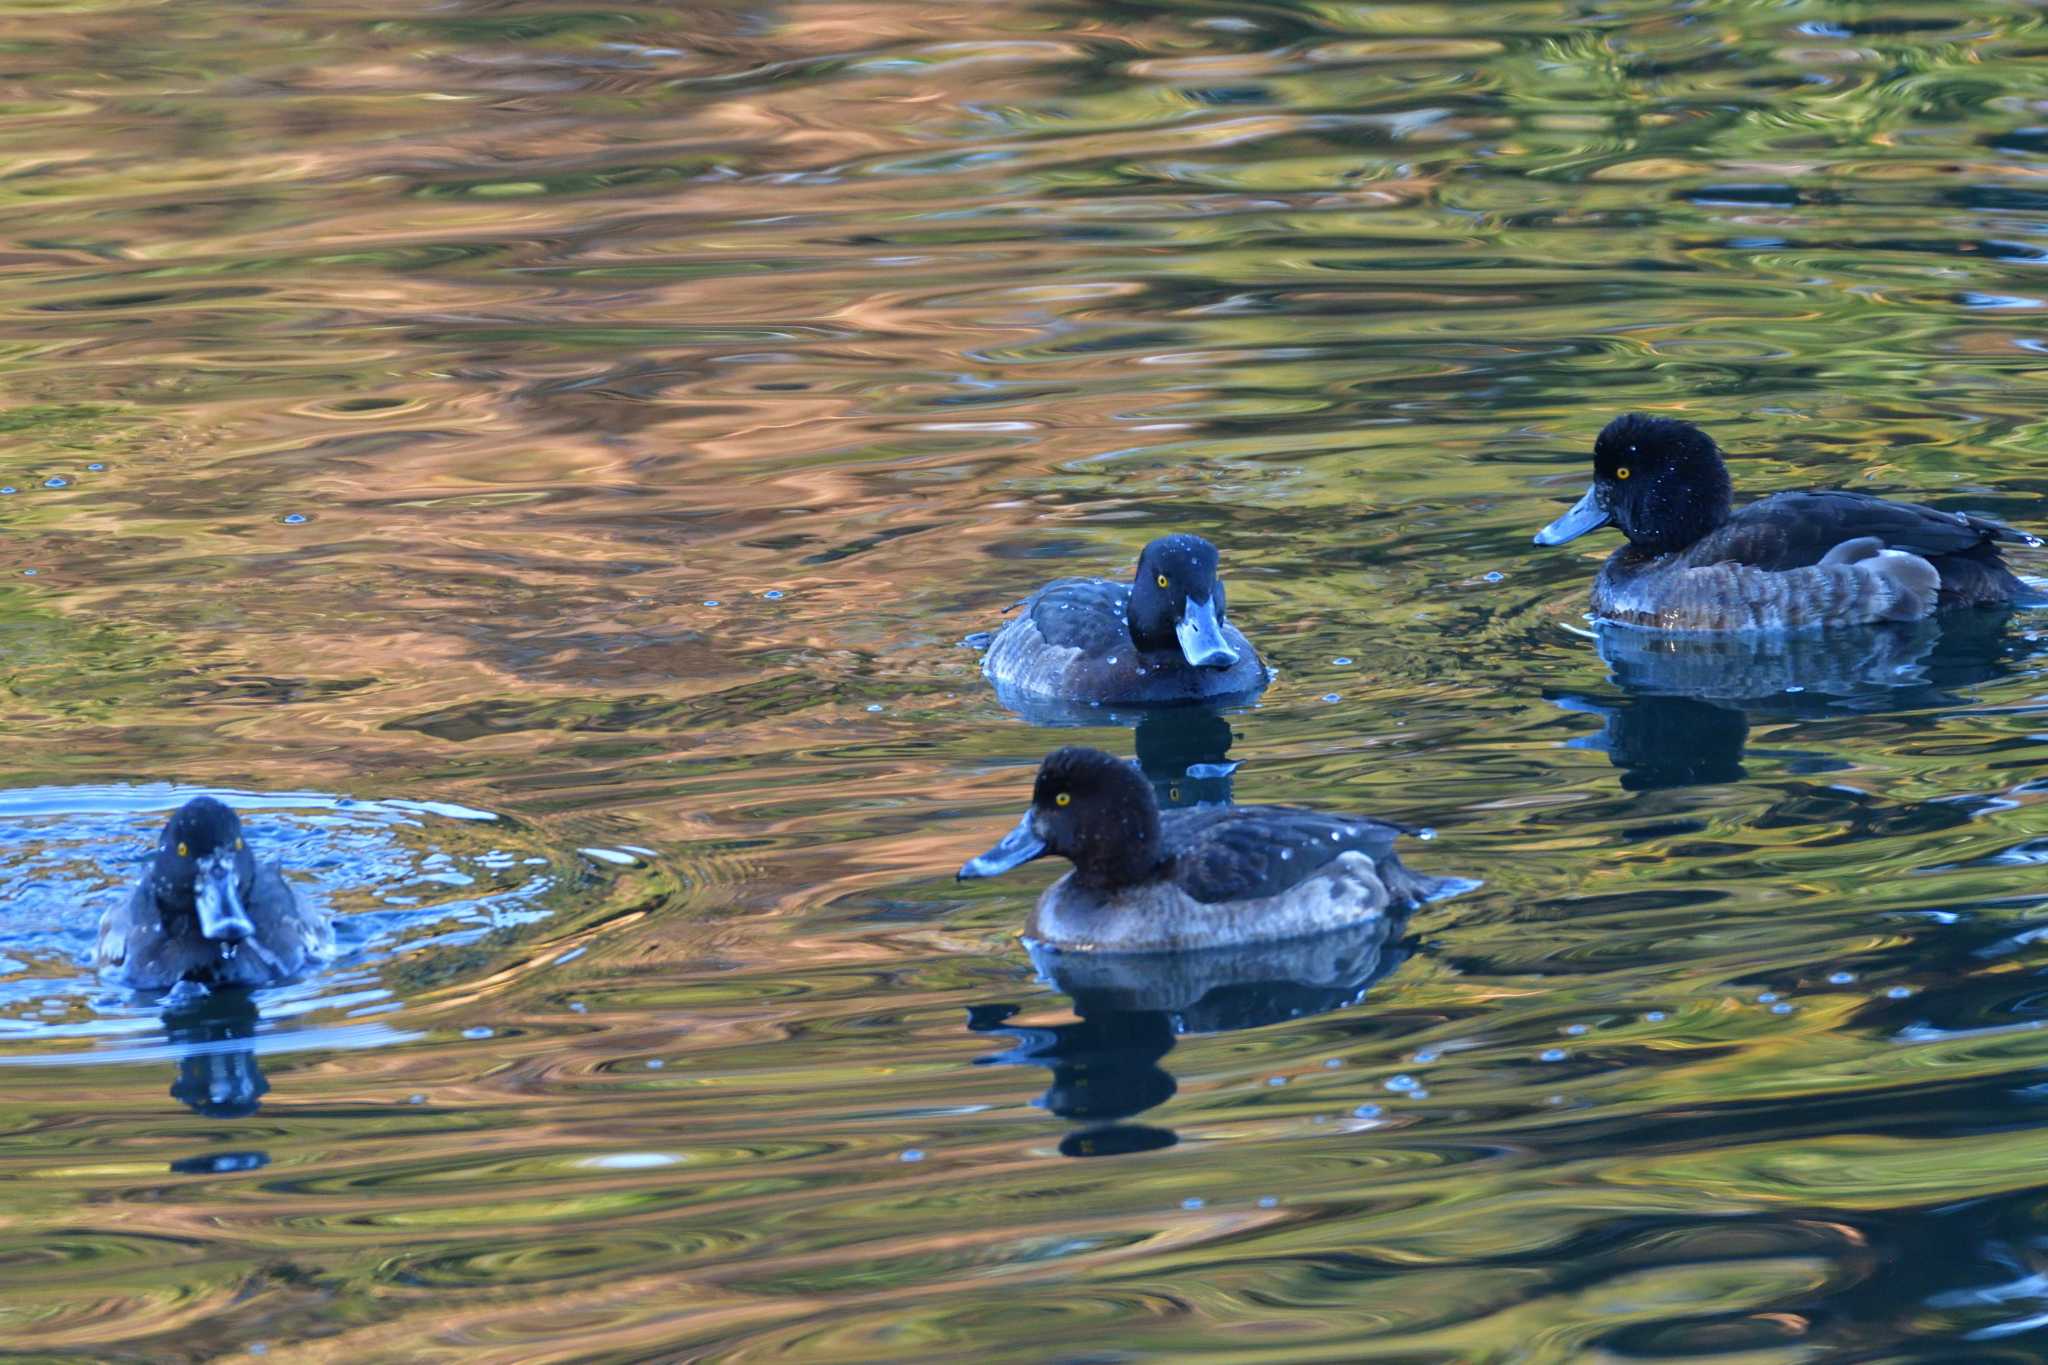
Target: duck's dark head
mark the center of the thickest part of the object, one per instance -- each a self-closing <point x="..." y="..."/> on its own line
<point x="1096" y="811"/>
<point x="1658" y="479"/>
<point x="203" y="869"/>
<point x="1177" y="602"/>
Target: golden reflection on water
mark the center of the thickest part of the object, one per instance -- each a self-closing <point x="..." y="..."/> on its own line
<point x="615" y="420"/>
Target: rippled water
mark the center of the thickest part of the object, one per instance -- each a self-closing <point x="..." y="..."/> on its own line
<point x="543" y="462"/>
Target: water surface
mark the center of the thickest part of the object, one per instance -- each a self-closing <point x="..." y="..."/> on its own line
<point x="605" y="425"/>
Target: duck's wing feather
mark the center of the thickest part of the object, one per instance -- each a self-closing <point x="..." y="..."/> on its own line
<point x="1230" y="853"/>
<point x="295" y="930"/>
<point x="116" y="926"/>
<point x="1797" y="530"/>
<point x="1088" y="614"/>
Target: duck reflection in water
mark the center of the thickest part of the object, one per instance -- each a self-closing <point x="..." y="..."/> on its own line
<point x="1688" y="699"/>
<point x="1185" y="755"/>
<point x="1184" y="751"/>
<point x="1131" y="1008"/>
<point x="215" y="1077"/>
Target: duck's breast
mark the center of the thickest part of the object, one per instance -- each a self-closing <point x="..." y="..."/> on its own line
<point x="292" y="935"/>
<point x="1177" y="680"/>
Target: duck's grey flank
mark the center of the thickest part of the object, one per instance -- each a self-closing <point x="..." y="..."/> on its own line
<point x="1161" y="917"/>
<point x="1858" y="582"/>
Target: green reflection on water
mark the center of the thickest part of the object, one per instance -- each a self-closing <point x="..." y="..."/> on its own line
<point x="557" y="326"/>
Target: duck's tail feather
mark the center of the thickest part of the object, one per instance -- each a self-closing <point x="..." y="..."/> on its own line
<point x="1405" y="886"/>
<point x="1994" y="529"/>
<point x="1908" y="587"/>
<point x="1915" y="583"/>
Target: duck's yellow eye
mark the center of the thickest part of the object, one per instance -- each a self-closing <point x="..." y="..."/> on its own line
<point x="1063" y="798"/>
<point x="1160" y="580"/>
<point x="183" y="852"/>
<point x="238" y="845"/>
<point x="1621" y="473"/>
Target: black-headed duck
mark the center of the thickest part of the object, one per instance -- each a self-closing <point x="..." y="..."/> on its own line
<point x="1786" y="562"/>
<point x="1160" y="639"/>
<point x="207" y="912"/>
<point x="1150" y="881"/>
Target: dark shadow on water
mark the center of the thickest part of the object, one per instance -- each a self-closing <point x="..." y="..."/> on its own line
<point x="1686" y="701"/>
<point x="221" y="1163"/>
<point x="1054" y="714"/>
<point x="1107" y="1067"/>
<point x="216" y="1078"/>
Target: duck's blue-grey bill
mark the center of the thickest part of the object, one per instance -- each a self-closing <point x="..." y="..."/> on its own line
<point x="1586" y="515"/>
<point x="1201" y="636"/>
<point x="1016" y="848"/>
<point x="222" y="916"/>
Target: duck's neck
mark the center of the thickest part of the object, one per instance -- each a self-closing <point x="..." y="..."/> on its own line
<point x="1148" y="615"/>
<point x="1151" y="631"/>
<point x="1680" y="513"/>
<point x="1122" y="854"/>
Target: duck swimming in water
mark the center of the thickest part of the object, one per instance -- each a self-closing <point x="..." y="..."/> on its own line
<point x="1160" y="639"/>
<point x="1147" y="881"/>
<point x="1786" y="562"/>
<point x="206" y="912"/>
